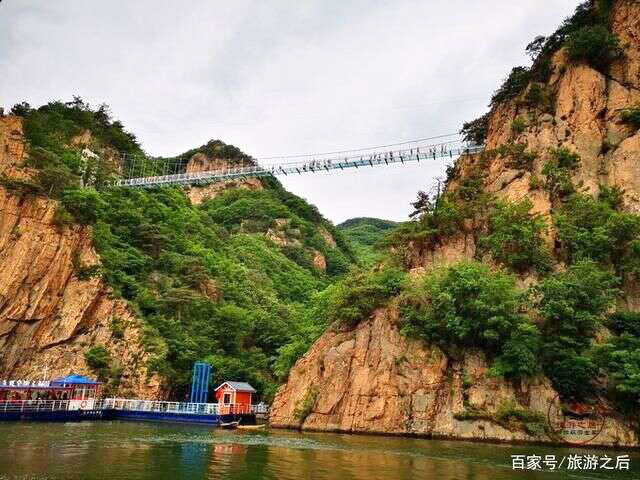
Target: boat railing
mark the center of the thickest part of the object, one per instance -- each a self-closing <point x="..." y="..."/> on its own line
<point x="33" y="405"/>
<point x="158" y="406"/>
<point x="182" y="407"/>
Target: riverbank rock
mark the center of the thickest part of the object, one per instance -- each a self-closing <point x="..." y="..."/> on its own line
<point x="375" y="380"/>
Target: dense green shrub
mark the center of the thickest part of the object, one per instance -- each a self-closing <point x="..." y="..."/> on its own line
<point x="358" y="295"/>
<point x="513" y="86"/>
<point x="624" y="321"/>
<point x="631" y="116"/>
<point x="62" y="218"/>
<point x="85" y="205"/>
<point x="619" y="357"/>
<point x="572" y="305"/>
<point x="437" y="220"/>
<point x="558" y="170"/>
<point x="515" y="237"/>
<point x="517" y="156"/>
<point x="594" y="229"/>
<point x="241" y="210"/>
<point x="476" y="130"/>
<point x="469" y="306"/>
<point x="518" y="126"/>
<point x="595" y="45"/>
<point x="539" y="96"/>
<point x="117" y="328"/>
<point x="99" y="359"/>
<point x="304" y="406"/>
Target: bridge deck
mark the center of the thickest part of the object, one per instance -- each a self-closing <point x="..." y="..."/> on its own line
<point x="429" y="152"/>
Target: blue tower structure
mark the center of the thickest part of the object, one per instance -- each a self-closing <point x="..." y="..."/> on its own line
<point x="200" y="382"/>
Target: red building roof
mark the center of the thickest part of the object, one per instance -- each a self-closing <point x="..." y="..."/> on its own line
<point x="237" y="386"/>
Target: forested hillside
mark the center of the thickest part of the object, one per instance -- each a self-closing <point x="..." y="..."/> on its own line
<point x="229" y="280"/>
<point x="364" y="233"/>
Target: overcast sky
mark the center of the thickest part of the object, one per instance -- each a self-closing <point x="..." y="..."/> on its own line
<point x="278" y="77"/>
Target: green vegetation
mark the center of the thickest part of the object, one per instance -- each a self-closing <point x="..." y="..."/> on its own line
<point x="517" y="156"/>
<point x="510" y="415"/>
<point x="515" y="237"/>
<point x="276" y="209"/>
<point x="364" y="233"/>
<point x="518" y="125"/>
<point x="596" y="229"/>
<point x="624" y="322"/>
<point x="216" y="149"/>
<point x="631" y="116"/>
<point x="476" y="130"/>
<point x="539" y="96"/>
<point x="595" y="45"/>
<point x="534" y="423"/>
<point x="440" y="217"/>
<point x="469" y="306"/>
<point x="619" y="357"/>
<point x="98" y="359"/>
<point x="117" y="328"/>
<point x="513" y="86"/>
<point x="558" y="170"/>
<point x="304" y="407"/>
<point x="572" y="305"/>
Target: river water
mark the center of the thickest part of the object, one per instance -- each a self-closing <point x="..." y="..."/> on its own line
<point x="129" y="450"/>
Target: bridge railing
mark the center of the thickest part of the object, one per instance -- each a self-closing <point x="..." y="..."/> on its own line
<point x="417" y="153"/>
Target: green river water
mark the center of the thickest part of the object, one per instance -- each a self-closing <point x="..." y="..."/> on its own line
<point x="129" y="450"/>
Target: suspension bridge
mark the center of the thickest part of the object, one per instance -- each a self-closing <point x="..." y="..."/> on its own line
<point x="400" y="153"/>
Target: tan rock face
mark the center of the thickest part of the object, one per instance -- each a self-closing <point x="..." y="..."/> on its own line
<point x="375" y="380"/>
<point x="198" y="195"/>
<point x="12" y="149"/>
<point x="319" y="262"/>
<point x="48" y="317"/>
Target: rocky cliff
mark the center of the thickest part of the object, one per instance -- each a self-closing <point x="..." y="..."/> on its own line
<point x="48" y="316"/>
<point x="373" y="378"/>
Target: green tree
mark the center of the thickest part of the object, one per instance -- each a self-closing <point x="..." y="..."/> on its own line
<point x="515" y="237"/>
<point x="572" y="305"/>
<point x="469" y="306"/>
<point x="595" y="45"/>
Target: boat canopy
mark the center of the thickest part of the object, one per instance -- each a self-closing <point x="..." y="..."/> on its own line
<point x="73" y="379"/>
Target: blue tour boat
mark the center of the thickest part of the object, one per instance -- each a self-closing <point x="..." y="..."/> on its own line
<point x="76" y="398"/>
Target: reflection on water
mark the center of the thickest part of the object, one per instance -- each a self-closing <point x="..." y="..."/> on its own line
<point x="121" y="450"/>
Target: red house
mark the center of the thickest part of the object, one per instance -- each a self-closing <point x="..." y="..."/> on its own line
<point x="234" y="397"/>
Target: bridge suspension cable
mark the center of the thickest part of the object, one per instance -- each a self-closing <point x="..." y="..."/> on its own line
<point x="399" y="153"/>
